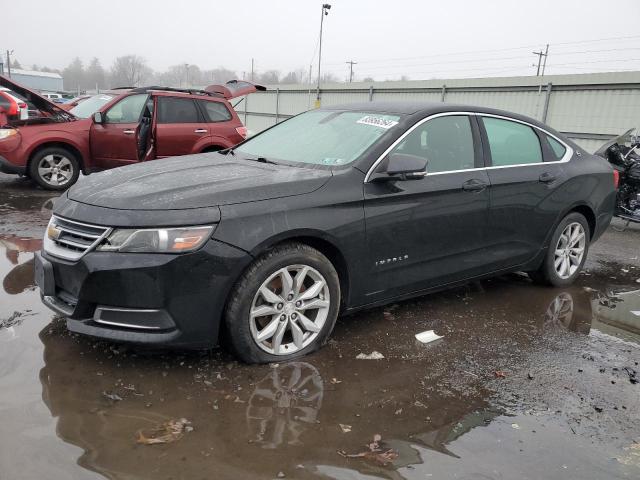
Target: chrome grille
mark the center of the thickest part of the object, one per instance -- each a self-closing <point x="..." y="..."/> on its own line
<point x="70" y="240"/>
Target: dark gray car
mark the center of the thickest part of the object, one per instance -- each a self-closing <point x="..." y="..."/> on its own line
<point x="334" y="210"/>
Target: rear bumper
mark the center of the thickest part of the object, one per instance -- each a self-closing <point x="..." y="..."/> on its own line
<point x="7" y="167"/>
<point x="152" y="299"/>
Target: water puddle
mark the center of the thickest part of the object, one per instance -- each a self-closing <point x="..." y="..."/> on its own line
<point x="528" y="382"/>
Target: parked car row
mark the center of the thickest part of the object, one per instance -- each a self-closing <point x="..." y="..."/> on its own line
<point x="117" y="128"/>
<point x="15" y="107"/>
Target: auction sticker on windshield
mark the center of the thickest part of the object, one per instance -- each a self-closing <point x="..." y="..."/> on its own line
<point x="376" y="121"/>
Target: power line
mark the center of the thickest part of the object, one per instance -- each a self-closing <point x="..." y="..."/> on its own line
<point x="468" y="52"/>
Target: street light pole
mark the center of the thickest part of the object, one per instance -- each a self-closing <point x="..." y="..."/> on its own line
<point x="9" y="53"/>
<point x="325" y="11"/>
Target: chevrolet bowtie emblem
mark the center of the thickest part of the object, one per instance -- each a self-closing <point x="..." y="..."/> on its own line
<point x="53" y="233"/>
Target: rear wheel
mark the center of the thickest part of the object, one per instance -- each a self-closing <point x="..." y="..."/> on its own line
<point x="566" y="254"/>
<point x="54" y="168"/>
<point x="284" y="306"/>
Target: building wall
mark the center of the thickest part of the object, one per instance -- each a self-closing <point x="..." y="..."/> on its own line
<point x="589" y="108"/>
<point x="37" y="80"/>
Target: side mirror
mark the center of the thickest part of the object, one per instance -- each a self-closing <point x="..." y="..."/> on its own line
<point x="98" y="118"/>
<point x="401" y="166"/>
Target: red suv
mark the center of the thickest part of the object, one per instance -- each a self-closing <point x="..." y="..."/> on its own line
<point x="113" y="129"/>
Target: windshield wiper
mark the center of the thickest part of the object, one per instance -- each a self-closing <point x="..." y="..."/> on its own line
<point x="263" y="160"/>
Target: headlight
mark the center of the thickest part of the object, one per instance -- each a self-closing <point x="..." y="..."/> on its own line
<point x="156" y="240"/>
<point x="7" y="132"/>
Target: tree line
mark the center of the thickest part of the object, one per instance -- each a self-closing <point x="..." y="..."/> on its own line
<point x="133" y="71"/>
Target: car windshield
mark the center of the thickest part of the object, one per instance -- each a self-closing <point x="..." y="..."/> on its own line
<point x="91" y="105"/>
<point x="320" y="137"/>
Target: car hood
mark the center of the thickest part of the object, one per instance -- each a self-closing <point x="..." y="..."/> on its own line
<point x="194" y="181"/>
<point x="39" y="102"/>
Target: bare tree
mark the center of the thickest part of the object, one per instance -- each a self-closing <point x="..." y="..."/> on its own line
<point x="270" y="77"/>
<point x="129" y="71"/>
<point x="172" y="77"/>
<point x="218" y="76"/>
<point x="329" y="78"/>
<point x="299" y="76"/>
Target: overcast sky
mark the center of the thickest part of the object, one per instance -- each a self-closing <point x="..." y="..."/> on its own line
<point x="417" y="38"/>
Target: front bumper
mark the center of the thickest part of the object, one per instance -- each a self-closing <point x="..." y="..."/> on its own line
<point x="7" y="167"/>
<point x="155" y="299"/>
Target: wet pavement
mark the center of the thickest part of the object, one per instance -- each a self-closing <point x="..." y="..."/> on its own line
<point x="528" y="383"/>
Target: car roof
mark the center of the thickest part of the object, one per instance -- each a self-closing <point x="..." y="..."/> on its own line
<point x="169" y="93"/>
<point x="424" y="109"/>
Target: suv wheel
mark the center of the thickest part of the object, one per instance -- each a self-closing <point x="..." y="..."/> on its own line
<point x="54" y="168"/>
<point x="566" y="254"/>
<point x="284" y="306"/>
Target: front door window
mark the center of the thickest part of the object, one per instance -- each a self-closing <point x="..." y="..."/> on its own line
<point x="127" y="110"/>
<point x="446" y="142"/>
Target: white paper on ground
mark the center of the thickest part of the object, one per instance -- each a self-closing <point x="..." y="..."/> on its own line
<point x="427" y="336"/>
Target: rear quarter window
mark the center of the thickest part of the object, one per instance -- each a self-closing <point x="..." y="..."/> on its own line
<point x="215" y="111"/>
<point x="555" y="148"/>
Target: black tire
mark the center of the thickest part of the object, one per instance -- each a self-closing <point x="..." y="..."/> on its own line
<point x="71" y="170"/>
<point x="239" y="336"/>
<point x="547" y="274"/>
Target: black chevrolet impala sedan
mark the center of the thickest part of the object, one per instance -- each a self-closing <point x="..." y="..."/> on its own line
<point x="262" y="246"/>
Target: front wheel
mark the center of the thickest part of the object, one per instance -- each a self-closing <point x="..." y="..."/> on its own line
<point x="54" y="168"/>
<point x="566" y="254"/>
<point x="284" y="306"/>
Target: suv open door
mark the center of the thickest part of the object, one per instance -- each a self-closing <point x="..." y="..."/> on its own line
<point x="235" y="88"/>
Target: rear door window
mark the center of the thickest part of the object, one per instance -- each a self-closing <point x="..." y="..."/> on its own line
<point x="215" y="111"/>
<point x="511" y="143"/>
<point x="177" y="110"/>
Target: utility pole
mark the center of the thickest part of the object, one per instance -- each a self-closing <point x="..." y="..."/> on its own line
<point x="546" y="54"/>
<point x="252" y="63"/>
<point x="541" y="54"/>
<point x="325" y="11"/>
<point x="351" y="63"/>
<point x="186" y="69"/>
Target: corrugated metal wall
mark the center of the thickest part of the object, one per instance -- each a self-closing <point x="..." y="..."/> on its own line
<point x="36" y="82"/>
<point x="589" y="108"/>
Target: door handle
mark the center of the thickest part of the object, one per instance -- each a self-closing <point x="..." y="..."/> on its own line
<point x="128" y="132"/>
<point x="547" y="177"/>
<point x="474" y="185"/>
<point x="200" y="130"/>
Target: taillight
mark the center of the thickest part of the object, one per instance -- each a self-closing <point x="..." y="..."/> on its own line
<point x="242" y="131"/>
<point x="616" y="178"/>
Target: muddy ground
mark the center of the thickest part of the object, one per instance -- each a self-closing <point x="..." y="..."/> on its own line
<point x="527" y="383"/>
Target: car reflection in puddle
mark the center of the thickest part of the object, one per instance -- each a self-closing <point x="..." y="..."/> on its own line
<point x="284" y="403"/>
<point x="431" y="404"/>
<point x="16" y="248"/>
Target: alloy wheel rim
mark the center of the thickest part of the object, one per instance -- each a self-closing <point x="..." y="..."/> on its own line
<point x="560" y="310"/>
<point x="55" y="169"/>
<point x="289" y="309"/>
<point x="570" y="250"/>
